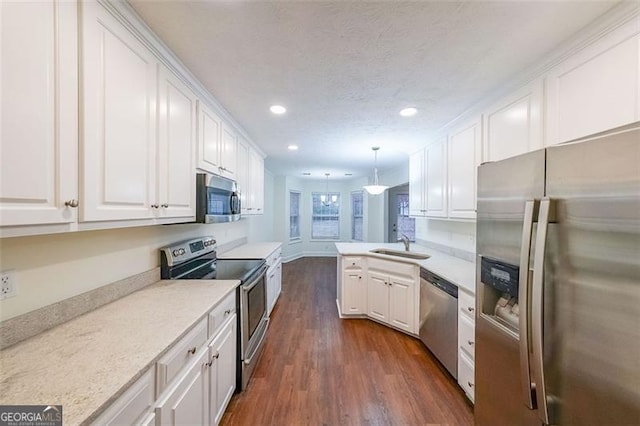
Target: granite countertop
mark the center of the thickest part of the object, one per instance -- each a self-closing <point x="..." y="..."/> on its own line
<point x="251" y="251"/>
<point x="460" y="272"/>
<point x="86" y="363"/>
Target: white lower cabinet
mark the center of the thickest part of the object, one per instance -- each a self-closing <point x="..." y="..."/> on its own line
<point x="222" y="372"/>
<point x="134" y="406"/>
<point x="202" y="392"/>
<point x="392" y="293"/>
<point x="466" y="342"/>
<point x="187" y="402"/>
<point x="274" y="278"/>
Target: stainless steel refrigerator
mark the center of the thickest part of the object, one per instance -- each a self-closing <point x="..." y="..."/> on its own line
<point x="558" y="285"/>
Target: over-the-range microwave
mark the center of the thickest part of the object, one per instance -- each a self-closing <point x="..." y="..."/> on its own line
<point x="217" y="199"/>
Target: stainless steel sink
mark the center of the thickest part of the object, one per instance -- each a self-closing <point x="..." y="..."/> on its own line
<point x="399" y="253"/>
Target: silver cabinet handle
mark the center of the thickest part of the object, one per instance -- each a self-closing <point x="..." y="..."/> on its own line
<point x="165" y="205"/>
<point x="217" y="355"/>
<point x="71" y="203"/>
<point x="470" y="309"/>
<point x="470" y="342"/>
<point x="154" y="206"/>
<point x="192" y="350"/>
<point x="227" y="312"/>
<point x="470" y="384"/>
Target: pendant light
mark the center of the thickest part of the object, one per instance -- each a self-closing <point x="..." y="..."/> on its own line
<point x="376" y="188"/>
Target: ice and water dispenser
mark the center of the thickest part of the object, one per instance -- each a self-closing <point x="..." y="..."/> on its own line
<point x="500" y="292"/>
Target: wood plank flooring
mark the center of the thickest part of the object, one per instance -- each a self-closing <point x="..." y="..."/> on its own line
<point x="318" y="369"/>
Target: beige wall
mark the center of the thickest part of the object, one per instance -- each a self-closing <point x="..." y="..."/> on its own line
<point x="50" y="268"/>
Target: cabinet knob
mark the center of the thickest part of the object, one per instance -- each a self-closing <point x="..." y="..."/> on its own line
<point x="208" y="364"/>
<point x="470" y="309"/>
<point x="192" y="350"/>
<point x="227" y="312"/>
<point x="359" y="278"/>
<point x="470" y="384"/>
<point x="217" y="355"/>
<point x="71" y="203"/>
<point x="165" y="205"/>
<point x="154" y="206"/>
<point x="470" y="342"/>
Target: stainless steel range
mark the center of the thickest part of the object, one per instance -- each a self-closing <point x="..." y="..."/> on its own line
<point x="197" y="259"/>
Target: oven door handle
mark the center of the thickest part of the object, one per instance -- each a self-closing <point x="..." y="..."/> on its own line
<point x="259" y="345"/>
<point x="255" y="282"/>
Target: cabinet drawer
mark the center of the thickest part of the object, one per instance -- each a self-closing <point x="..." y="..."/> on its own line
<point x="465" y="375"/>
<point x="466" y="335"/>
<point x="134" y="404"/>
<point x="467" y="304"/>
<point x="180" y="354"/>
<point x="353" y="262"/>
<point x="394" y="268"/>
<point x="274" y="257"/>
<point x="225" y="309"/>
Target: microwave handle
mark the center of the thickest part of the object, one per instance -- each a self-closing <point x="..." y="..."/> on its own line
<point x="234" y="203"/>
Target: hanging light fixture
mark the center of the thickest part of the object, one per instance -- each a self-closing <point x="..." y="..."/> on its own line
<point x="376" y="188"/>
<point x="325" y="198"/>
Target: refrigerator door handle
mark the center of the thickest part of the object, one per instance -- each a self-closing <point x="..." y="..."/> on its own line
<point x="546" y="215"/>
<point x="523" y="301"/>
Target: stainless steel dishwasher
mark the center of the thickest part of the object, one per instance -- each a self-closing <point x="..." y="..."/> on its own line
<point x="439" y="319"/>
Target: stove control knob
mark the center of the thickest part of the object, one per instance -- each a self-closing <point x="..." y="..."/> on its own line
<point x="181" y="251"/>
<point x="176" y="252"/>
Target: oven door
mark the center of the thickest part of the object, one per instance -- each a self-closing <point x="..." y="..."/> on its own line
<point x="253" y="325"/>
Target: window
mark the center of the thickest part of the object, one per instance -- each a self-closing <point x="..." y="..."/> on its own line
<point x="406" y="224"/>
<point x="325" y="216"/>
<point x="294" y="215"/>
<point x="356" y="215"/>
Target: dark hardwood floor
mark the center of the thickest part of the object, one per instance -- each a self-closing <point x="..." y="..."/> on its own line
<point x="318" y="369"/>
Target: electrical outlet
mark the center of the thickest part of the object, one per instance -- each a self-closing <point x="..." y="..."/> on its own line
<point x="7" y="284"/>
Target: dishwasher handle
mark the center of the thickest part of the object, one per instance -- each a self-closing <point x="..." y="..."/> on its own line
<point x="441" y="283"/>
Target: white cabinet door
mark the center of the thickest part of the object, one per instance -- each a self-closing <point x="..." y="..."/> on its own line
<point x="417" y="200"/>
<point x="513" y="125"/>
<point x="223" y="370"/>
<point x="187" y="403"/>
<point x="378" y="296"/>
<point x="464" y="157"/>
<point x="228" y="152"/>
<point x="118" y="87"/>
<point x="38" y="112"/>
<point x="354" y="292"/>
<point x="256" y="179"/>
<point x="176" y="143"/>
<point x="278" y="279"/>
<point x="401" y="303"/>
<point x="596" y="89"/>
<point x="209" y="139"/>
<point x="242" y="172"/>
<point x="436" y="179"/>
<point x="271" y="288"/>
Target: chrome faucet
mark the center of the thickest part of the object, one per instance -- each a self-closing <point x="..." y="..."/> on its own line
<point x="406" y="242"/>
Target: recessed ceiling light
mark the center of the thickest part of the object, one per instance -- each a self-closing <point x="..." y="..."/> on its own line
<point x="408" y="112"/>
<point x="277" y="109"/>
<point x="293" y="147"/>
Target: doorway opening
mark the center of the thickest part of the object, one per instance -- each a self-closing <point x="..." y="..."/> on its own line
<point x="399" y="222"/>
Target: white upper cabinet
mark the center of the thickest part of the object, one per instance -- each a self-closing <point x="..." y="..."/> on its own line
<point x="38" y="112"/>
<point x="596" y="89"/>
<point x="217" y="144"/>
<point x="255" y="196"/>
<point x="464" y="155"/>
<point x="417" y="196"/>
<point x="118" y="139"/>
<point x="209" y="139"/>
<point x="228" y="150"/>
<point x="242" y="172"/>
<point x="513" y="125"/>
<point x="436" y="179"/>
<point x="176" y="143"/>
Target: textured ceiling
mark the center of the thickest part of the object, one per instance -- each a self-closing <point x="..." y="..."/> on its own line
<point x="345" y="69"/>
